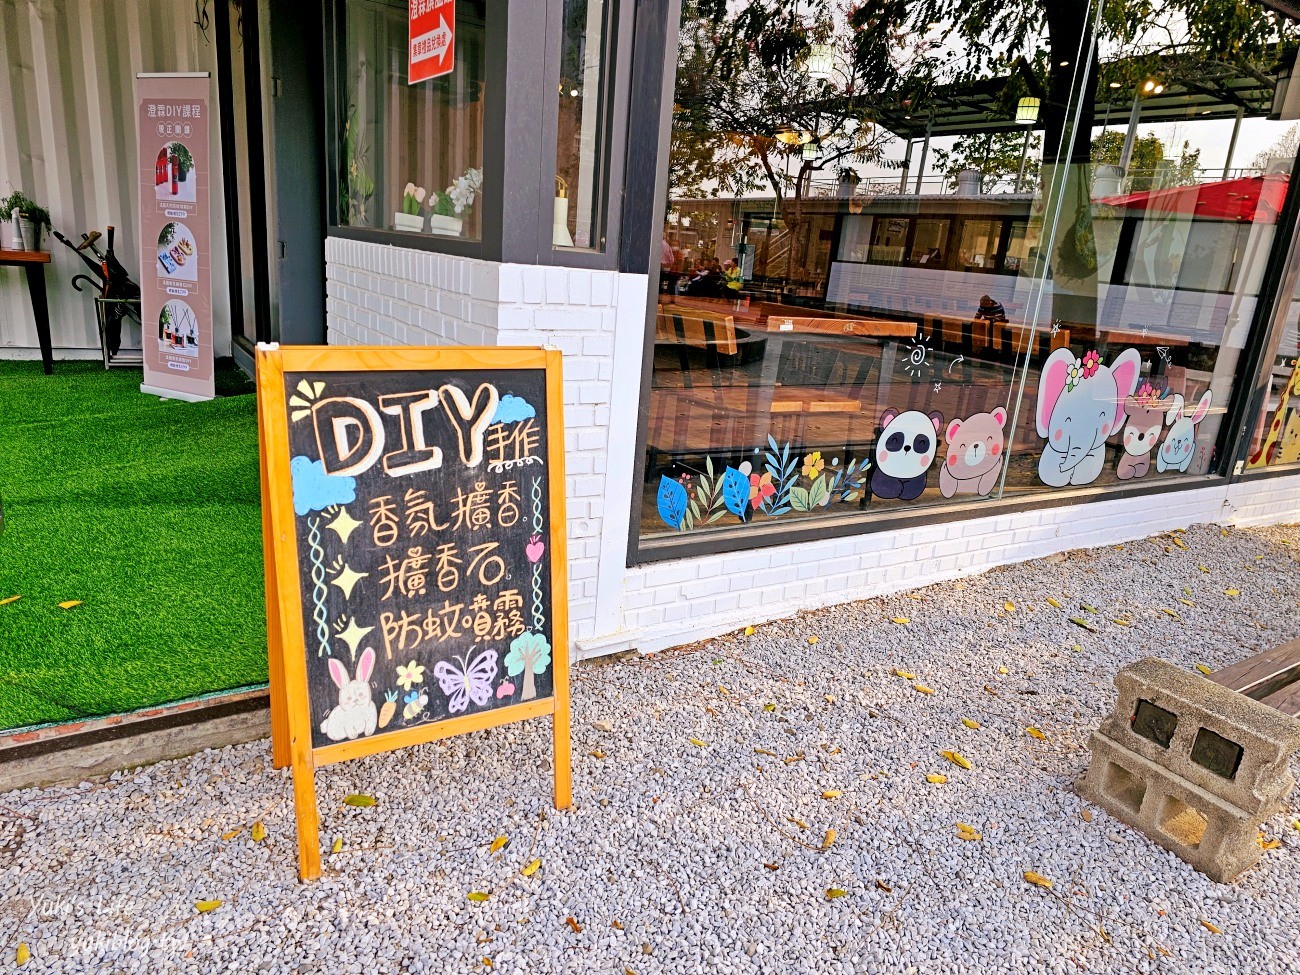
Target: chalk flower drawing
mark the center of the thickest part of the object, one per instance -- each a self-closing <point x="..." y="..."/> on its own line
<point x="412" y="673"/>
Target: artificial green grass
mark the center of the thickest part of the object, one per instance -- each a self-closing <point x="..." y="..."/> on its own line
<point x="148" y="512"/>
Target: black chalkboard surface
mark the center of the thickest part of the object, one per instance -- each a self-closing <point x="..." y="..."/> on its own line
<point x="422" y="524"/>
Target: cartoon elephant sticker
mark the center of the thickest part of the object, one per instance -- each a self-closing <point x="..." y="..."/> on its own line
<point x="1176" y="452"/>
<point x="1080" y="404"/>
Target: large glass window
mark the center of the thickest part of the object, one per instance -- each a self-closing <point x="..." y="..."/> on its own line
<point x="907" y="263"/>
<point x="410" y="156"/>
<point x="1276" y="439"/>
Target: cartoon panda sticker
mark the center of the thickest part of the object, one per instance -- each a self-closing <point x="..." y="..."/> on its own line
<point x="904" y="453"/>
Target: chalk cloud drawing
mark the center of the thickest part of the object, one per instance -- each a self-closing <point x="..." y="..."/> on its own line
<point x="513" y="409"/>
<point x="314" y="490"/>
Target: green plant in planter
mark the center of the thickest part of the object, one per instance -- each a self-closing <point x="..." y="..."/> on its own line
<point x="28" y="208"/>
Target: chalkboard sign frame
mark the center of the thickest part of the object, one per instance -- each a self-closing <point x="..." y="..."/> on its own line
<point x="291" y="718"/>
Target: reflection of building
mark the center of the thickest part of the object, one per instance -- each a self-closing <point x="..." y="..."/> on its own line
<point x="726" y="421"/>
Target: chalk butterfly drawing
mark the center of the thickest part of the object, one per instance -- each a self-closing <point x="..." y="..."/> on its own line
<point x="468" y="682"/>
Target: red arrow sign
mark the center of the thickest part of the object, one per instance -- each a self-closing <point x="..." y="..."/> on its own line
<point x="433" y="39"/>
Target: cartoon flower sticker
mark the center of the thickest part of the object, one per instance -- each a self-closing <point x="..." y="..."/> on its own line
<point x="760" y="489"/>
<point x="1074" y="375"/>
<point x="412" y="673"/>
<point x="1091" y="363"/>
<point x="813" y="464"/>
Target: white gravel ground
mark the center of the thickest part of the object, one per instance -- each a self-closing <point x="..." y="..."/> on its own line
<point x="685" y="858"/>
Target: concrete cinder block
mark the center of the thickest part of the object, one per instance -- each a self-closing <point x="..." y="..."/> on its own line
<point x="1194" y="766"/>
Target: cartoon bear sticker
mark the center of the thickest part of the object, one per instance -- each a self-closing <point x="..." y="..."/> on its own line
<point x="974" y="457"/>
<point x="904" y="453"/>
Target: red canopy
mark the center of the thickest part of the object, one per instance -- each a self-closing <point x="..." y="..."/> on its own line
<point x="1252" y="199"/>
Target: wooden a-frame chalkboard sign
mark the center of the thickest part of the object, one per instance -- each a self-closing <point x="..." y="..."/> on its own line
<point x="414" y="534"/>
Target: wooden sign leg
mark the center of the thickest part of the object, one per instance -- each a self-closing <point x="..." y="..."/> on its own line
<point x="304" y="807"/>
<point x="563" y="758"/>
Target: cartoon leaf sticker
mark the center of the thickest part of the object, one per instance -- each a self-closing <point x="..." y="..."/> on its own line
<point x="970" y="723"/>
<point x="697" y="743"/>
<point x="828" y="839"/>
<point x="901" y="620"/>
<point x="966" y="832"/>
<point x="206" y="907"/>
<point x="23" y="955"/>
<point x="1053" y="602"/>
<point x="735" y="491"/>
<point x="1204" y="669"/>
<point x="498" y="844"/>
<point x="10" y="599"/>
<point x="338" y="845"/>
<point x="1212" y="928"/>
<point x="934" y="778"/>
<point x="906" y="675"/>
<point x="477" y="896"/>
<point x="958" y="759"/>
<point x="671" y="501"/>
<point x="258" y="832"/>
<point x="834" y="892"/>
<point x="1035" y="733"/>
<point x="1009" y="606"/>
<point x="69" y="603"/>
<point x="531" y="868"/>
<point x="831" y="794"/>
<point x="1038" y="880"/>
<point x="923" y="689"/>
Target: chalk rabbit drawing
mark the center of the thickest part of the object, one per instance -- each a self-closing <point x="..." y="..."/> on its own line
<point x="1146" y="418"/>
<point x="1080" y="404"/>
<point x="1176" y="452"/>
<point x="356" y="713"/>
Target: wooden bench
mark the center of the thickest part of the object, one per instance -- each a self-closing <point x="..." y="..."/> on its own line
<point x="1272" y="678"/>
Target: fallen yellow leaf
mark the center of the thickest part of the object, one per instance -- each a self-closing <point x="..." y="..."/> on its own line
<point x="749" y="631"/>
<point x="828" y="839"/>
<point x="923" y="689"/>
<point x="1169" y="612"/>
<point x="498" y="843"/>
<point x="830" y="698"/>
<point x="205" y="907"/>
<point x="914" y="595"/>
<point x="1035" y="733"/>
<point x="23" y="955"/>
<point x="901" y="620"/>
<point x="1003" y="670"/>
<point x="1204" y="669"/>
<point x="1212" y="928"/>
<point x="230" y="834"/>
<point x="10" y="599"/>
<point x="1121" y="622"/>
<point x="359" y="800"/>
<point x="1186" y="602"/>
<point x="764" y="751"/>
<point x="477" y="896"/>
<point x="69" y="603"/>
<point x="1267" y="844"/>
<point x="769" y="706"/>
<point x="1203" y="568"/>
<point x="258" y="832"/>
<point x="697" y="743"/>
<point x="1179" y="542"/>
<point x="531" y="868"/>
<point x="1009" y="606"/>
<point x="906" y="675"/>
<point x="834" y="892"/>
<point x="966" y="832"/>
<point x="572" y="923"/>
<point x="338" y="845"/>
<point x="957" y="759"/>
<point x="831" y="794"/>
<point x="1085" y="815"/>
<point x="1053" y="602"/>
<point x="1232" y="592"/>
<point x="596" y="753"/>
<point x="934" y="778"/>
<point x="1037" y="879"/>
<point x="812" y="639"/>
<point x="798" y="822"/>
<point x="971" y="723"/>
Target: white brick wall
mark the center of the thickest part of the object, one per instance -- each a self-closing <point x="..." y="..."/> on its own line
<point x="598" y="319"/>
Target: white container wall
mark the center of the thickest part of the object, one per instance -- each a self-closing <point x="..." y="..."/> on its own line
<point x="67" y="139"/>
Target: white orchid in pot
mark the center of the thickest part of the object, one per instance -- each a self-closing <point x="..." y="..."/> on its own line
<point x="448" y="207"/>
<point x="410" y="217"/>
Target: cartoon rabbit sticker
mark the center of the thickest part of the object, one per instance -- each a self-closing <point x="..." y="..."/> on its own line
<point x="356" y="713"/>
<point x="1081" y="403"/>
<point x="1176" y="452"/>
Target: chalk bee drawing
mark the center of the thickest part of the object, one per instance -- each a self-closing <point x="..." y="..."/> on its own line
<point x="356" y="714"/>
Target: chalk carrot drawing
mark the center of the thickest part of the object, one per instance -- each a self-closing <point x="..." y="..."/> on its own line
<point x="466" y="681"/>
<point x="356" y="714"/>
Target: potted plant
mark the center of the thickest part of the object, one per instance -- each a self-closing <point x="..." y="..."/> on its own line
<point x="410" y="217"/>
<point x="31" y="217"/>
<point x="446" y="213"/>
